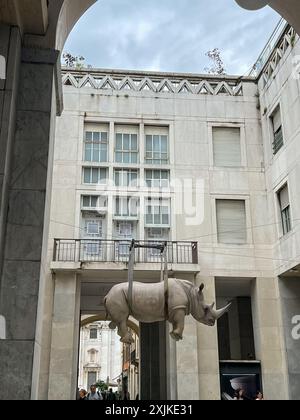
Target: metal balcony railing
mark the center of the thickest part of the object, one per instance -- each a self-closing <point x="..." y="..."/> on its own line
<point x="278" y="141"/>
<point x="101" y="250"/>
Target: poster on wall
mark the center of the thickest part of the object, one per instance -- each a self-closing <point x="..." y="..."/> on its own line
<point x="240" y="386"/>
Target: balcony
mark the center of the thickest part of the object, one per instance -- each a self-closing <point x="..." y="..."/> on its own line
<point x="117" y="251"/>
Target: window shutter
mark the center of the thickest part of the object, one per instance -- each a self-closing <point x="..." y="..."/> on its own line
<point x="276" y="119"/>
<point x="227" y="146"/>
<point x="284" y="197"/>
<point x="231" y="221"/>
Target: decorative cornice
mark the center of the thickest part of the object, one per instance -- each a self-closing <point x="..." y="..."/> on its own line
<point x="286" y="41"/>
<point x="169" y="83"/>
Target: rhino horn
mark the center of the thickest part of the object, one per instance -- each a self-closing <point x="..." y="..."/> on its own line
<point x="219" y="312"/>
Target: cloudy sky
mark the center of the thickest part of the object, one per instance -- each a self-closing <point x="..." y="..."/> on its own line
<point x="170" y="35"/>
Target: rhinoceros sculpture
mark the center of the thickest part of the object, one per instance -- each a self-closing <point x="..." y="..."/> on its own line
<point x="148" y="305"/>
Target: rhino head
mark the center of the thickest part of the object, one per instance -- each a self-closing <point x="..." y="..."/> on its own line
<point x="202" y="312"/>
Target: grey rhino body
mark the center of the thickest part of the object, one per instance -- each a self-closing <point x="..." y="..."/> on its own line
<point x="148" y="305"/>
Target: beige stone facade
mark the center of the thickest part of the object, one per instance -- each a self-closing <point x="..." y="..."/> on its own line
<point x="217" y="134"/>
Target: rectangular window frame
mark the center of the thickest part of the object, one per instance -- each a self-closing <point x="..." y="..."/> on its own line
<point x="92" y="332"/>
<point x="126" y="178"/>
<point x="248" y="231"/>
<point x="124" y="154"/>
<point x="233" y="124"/>
<point x="286" y="225"/>
<point x="94" y="175"/>
<point x="126" y="207"/>
<point x="277" y="130"/>
<point x="157" y="213"/>
<point x="160" y="156"/>
<point x="96" y="146"/>
<point x="157" y="182"/>
<point x="214" y="146"/>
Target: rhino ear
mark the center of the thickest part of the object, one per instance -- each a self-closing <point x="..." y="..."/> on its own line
<point x="201" y="288"/>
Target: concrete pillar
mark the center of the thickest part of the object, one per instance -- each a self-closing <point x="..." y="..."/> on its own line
<point x="25" y="193"/>
<point x="153" y="361"/>
<point x="10" y="59"/>
<point x="290" y="300"/>
<point x="269" y="337"/>
<point x="65" y="338"/>
<point x="172" y="389"/>
<point x="207" y="344"/>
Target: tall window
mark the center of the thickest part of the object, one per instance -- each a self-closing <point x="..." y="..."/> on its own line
<point x="93" y="232"/>
<point x="157" y="178"/>
<point x="94" y="175"/>
<point x="231" y="221"/>
<point x="126" y="177"/>
<point x="126" y="206"/>
<point x="93" y="334"/>
<point x="284" y="203"/>
<point x="96" y="147"/>
<point x="126" y="148"/>
<point x="92" y="355"/>
<point x="157" y="149"/>
<point x="227" y="146"/>
<point x="157" y="212"/>
<point x="277" y="130"/>
<point x="92" y="379"/>
<point x="124" y="233"/>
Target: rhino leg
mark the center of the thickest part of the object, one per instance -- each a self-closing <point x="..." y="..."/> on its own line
<point x="124" y="333"/>
<point x="178" y="324"/>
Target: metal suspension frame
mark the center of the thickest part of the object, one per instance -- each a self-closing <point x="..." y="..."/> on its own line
<point x="163" y="270"/>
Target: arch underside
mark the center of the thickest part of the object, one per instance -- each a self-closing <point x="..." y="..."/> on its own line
<point x="288" y="9"/>
<point x="130" y="323"/>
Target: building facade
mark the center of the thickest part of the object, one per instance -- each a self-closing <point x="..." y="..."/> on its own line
<point x="207" y="164"/>
<point x="131" y="368"/>
<point x="100" y="356"/>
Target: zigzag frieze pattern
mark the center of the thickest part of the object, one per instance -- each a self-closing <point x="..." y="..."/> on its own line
<point x="288" y="40"/>
<point x="136" y="84"/>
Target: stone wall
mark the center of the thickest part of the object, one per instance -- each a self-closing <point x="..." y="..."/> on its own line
<point x="290" y="297"/>
<point x="25" y="132"/>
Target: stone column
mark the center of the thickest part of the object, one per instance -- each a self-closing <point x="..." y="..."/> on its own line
<point x="172" y="390"/>
<point x="153" y="361"/>
<point x="24" y="227"/>
<point x="208" y="354"/>
<point x="290" y="302"/>
<point x="187" y="362"/>
<point x="269" y="337"/>
<point x="65" y="338"/>
<point x="10" y="58"/>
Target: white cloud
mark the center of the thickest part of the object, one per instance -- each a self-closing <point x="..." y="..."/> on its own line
<point x="173" y="35"/>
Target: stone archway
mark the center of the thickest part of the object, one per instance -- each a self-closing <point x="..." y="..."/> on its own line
<point x="288" y="9"/>
<point x="116" y="358"/>
<point x="131" y="324"/>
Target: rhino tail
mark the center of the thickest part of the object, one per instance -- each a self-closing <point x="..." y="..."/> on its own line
<point x="112" y="325"/>
<point x="106" y="311"/>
